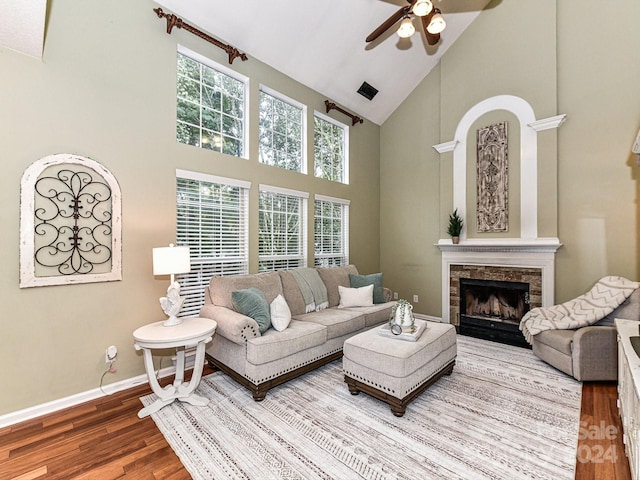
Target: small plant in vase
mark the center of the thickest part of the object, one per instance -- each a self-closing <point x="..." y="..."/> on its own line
<point x="455" y="226"/>
<point x="402" y="316"/>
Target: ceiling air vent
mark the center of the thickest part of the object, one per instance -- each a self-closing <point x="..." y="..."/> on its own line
<point x="367" y="91"/>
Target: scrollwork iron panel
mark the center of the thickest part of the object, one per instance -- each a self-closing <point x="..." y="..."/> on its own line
<point x="72" y="221"/>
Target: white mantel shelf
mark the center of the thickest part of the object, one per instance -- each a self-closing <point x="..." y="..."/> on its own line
<point x="533" y="245"/>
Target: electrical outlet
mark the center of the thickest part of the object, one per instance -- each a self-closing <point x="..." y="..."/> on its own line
<point x="415" y="298"/>
<point x="110" y="354"/>
<point x="395" y="295"/>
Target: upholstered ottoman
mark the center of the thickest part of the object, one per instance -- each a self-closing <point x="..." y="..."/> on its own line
<point x="397" y="371"/>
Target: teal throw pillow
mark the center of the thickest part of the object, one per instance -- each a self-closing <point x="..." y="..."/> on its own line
<point x="374" y="279"/>
<point x="251" y="302"/>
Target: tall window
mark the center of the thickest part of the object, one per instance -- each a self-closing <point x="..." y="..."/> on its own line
<point x="331" y="231"/>
<point x="282" y="229"/>
<point x="330" y="147"/>
<point x="212" y="220"/>
<point x="211" y="106"/>
<point x="282" y="128"/>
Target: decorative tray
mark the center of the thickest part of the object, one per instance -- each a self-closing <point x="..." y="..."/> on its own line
<point x="408" y="335"/>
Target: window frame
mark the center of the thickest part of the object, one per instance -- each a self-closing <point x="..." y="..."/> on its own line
<point x="303" y="127"/>
<point x="213" y="266"/>
<point x="304" y="234"/>
<point x="346" y="129"/>
<point x="344" y="235"/>
<point x="230" y="73"/>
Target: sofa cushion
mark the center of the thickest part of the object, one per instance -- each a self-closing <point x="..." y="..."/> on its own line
<point x="251" y="302"/>
<point x="334" y="276"/>
<point x="376" y="314"/>
<point x="280" y="313"/>
<point x="291" y="292"/>
<point x="355" y="297"/>
<point x="274" y="345"/>
<point x="374" y="279"/>
<point x="220" y="288"/>
<point x="338" y="322"/>
<point x="559" y="340"/>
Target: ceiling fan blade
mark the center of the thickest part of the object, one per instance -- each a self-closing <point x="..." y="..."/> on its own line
<point x="432" y="38"/>
<point x="387" y="24"/>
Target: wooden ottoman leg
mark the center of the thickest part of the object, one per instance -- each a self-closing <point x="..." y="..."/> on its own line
<point x="351" y="383"/>
<point x="398" y="407"/>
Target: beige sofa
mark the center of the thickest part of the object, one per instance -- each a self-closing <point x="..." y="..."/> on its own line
<point x="262" y="361"/>
<point x="588" y="353"/>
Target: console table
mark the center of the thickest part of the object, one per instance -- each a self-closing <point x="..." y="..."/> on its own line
<point x="192" y="332"/>
<point x="629" y="391"/>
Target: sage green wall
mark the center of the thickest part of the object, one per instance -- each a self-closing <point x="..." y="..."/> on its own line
<point x="106" y="90"/>
<point x="409" y="196"/>
<point x="598" y="78"/>
<point x="588" y="184"/>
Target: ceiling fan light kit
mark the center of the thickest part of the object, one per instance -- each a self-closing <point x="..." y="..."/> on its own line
<point x="431" y="19"/>
<point x="406" y="27"/>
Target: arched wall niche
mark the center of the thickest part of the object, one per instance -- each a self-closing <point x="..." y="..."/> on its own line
<point x="528" y="129"/>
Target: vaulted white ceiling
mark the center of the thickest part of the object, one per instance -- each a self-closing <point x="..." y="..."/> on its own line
<point x="321" y="43"/>
<point x="22" y="25"/>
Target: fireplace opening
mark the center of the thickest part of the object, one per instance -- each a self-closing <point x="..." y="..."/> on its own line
<point x="492" y="309"/>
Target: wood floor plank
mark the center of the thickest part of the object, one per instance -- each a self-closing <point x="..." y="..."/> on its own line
<point x="33" y="475"/>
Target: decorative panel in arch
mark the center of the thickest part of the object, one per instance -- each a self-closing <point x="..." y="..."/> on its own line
<point x="70" y="223"/>
<point x="492" y="182"/>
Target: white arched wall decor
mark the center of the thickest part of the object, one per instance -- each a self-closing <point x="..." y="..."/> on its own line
<point x="528" y="251"/>
<point x="70" y="223"/>
<point x="529" y="128"/>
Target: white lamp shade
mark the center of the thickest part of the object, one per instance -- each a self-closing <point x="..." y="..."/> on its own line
<point x="422" y="8"/>
<point x="171" y="260"/>
<point x="406" y="28"/>
<point x="437" y="24"/>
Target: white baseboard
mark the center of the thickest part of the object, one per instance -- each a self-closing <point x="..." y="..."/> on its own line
<point x="73" y="400"/>
<point x="428" y="318"/>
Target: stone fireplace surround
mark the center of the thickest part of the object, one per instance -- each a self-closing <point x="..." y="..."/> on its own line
<point x="530" y="276"/>
<point x="513" y="259"/>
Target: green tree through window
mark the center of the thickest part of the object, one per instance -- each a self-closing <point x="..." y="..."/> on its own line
<point x="211" y="108"/>
<point x="330" y="149"/>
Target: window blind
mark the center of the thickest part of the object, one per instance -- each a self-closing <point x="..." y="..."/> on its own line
<point x="331" y="232"/>
<point x="212" y="220"/>
<point x="282" y="234"/>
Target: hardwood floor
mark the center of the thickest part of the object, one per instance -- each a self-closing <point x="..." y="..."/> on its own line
<point x="600" y="452"/>
<point x="104" y="439"/>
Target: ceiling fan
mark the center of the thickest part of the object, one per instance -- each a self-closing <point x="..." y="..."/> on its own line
<point x="432" y="21"/>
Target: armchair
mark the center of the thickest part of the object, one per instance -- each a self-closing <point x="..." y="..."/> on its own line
<point x="587" y="353"/>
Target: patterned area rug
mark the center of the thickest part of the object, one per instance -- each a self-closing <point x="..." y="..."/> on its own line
<point x="502" y="414"/>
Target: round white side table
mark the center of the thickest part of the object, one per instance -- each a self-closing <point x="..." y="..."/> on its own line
<point x="192" y="332"/>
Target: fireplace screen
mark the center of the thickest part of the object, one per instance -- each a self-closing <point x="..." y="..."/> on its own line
<point x="493" y="300"/>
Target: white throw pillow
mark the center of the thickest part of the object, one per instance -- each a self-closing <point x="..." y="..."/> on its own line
<point x="355" y="297"/>
<point x="280" y="313"/>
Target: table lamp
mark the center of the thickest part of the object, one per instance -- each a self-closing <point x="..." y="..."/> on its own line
<point x="171" y="260"/>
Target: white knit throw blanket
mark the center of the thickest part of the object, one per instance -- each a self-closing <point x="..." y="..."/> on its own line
<point x="605" y="296"/>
